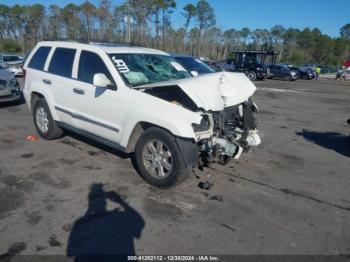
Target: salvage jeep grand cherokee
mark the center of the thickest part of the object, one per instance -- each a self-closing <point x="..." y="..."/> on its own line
<point x="141" y="100"/>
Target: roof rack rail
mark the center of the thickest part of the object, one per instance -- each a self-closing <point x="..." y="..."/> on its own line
<point x="90" y="41"/>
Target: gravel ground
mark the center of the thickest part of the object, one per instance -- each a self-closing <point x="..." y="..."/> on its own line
<point x="289" y="196"/>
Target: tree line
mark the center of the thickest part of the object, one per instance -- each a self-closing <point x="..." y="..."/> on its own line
<point x="148" y="23"/>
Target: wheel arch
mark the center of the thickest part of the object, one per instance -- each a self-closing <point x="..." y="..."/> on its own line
<point x="37" y="94"/>
<point x="138" y="130"/>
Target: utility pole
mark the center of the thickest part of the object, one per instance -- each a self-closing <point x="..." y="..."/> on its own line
<point x="129" y="27"/>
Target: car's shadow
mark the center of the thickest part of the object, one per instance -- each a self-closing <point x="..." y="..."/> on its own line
<point x="102" y="234"/>
<point x="330" y="140"/>
<point x="104" y="148"/>
<point x="98" y="145"/>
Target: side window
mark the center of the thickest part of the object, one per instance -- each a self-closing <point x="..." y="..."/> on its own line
<point x="62" y="62"/>
<point x="39" y="58"/>
<point x="89" y="65"/>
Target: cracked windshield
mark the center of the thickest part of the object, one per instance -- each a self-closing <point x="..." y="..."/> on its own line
<point x="142" y="69"/>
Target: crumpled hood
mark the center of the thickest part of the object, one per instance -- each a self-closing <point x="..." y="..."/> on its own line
<point x="214" y="92"/>
<point x="219" y="90"/>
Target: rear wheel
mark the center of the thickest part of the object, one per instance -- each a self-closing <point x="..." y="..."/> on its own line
<point x="44" y="123"/>
<point x="251" y="75"/>
<point x="159" y="159"/>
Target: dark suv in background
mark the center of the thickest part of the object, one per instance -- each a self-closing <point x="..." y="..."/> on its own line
<point x="193" y="65"/>
<point x="283" y="72"/>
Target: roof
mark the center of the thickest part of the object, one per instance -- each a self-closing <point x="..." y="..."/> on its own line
<point x="107" y="48"/>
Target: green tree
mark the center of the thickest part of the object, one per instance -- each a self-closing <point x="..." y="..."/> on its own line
<point x="71" y="21"/>
<point x="205" y="18"/>
<point x="205" y="15"/>
<point x="88" y="13"/>
<point x="345" y="31"/>
<point x="190" y="12"/>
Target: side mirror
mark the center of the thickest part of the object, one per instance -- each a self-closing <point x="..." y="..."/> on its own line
<point x="194" y="73"/>
<point x="101" y="80"/>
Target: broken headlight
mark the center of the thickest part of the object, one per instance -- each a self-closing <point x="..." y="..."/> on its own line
<point x="204" y="125"/>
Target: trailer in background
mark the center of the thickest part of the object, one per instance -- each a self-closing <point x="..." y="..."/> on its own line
<point x="252" y="63"/>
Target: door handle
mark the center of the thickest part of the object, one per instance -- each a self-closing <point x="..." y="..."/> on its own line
<point x="79" y="91"/>
<point x="47" y="81"/>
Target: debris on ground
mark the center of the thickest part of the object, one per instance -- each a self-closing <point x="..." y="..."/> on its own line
<point x="13" y="250"/>
<point x="40" y="248"/>
<point x="206" y="185"/>
<point x="219" y="198"/>
<point x="67" y="227"/>
<point x="32" y="138"/>
<point x="54" y="242"/>
<point x="28" y="155"/>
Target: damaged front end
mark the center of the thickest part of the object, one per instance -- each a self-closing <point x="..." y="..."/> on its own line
<point x="233" y="130"/>
<point x="229" y="116"/>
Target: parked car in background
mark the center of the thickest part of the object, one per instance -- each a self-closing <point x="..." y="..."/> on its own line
<point x="349" y="135"/>
<point x="12" y="63"/>
<point x="283" y="72"/>
<point x="306" y="73"/>
<point x="168" y="119"/>
<point x="193" y="65"/>
<point x="9" y="88"/>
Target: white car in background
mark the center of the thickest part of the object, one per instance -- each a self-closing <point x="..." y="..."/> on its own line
<point x="12" y="63"/>
<point x="141" y="101"/>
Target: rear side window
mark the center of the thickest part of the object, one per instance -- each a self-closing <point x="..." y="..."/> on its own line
<point x="91" y="64"/>
<point x="62" y="62"/>
<point x="39" y="58"/>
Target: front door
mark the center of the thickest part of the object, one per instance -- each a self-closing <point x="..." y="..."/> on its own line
<point x="96" y="108"/>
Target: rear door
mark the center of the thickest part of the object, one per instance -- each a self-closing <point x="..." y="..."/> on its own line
<point x="59" y="81"/>
<point x="35" y="72"/>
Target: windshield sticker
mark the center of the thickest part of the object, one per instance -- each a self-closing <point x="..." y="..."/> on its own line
<point x="121" y="66"/>
<point x="178" y="67"/>
<point x="199" y="61"/>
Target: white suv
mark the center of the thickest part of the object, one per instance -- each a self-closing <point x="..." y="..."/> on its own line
<point x="141" y="100"/>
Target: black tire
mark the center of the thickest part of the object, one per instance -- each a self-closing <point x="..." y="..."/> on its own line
<point x="53" y="131"/>
<point x="251" y="75"/>
<point x="288" y="78"/>
<point x="178" y="172"/>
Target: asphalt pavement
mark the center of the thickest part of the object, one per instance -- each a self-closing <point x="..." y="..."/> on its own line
<point x="289" y="196"/>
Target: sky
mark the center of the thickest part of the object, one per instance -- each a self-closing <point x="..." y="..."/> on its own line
<point x="328" y="16"/>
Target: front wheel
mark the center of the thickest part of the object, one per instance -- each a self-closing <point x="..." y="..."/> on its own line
<point x="159" y="159"/>
<point x="288" y="78"/>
